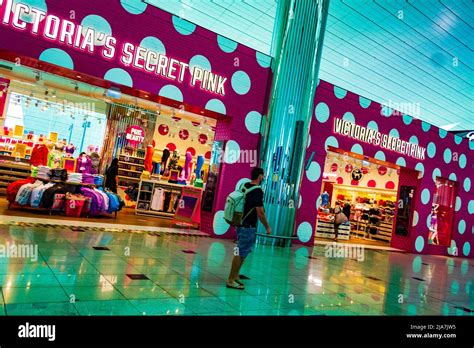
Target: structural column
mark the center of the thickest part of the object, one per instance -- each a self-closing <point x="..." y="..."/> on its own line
<point x="297" y="45"/>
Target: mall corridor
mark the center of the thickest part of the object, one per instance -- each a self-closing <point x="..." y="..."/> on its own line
<point x="103" y="272"/>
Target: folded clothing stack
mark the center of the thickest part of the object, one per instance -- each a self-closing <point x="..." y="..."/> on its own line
<point x="87" y="179"/>
<point x="58" y="174"/>
<point x="34" y="171"/>
<point x="98" y="180"/>
<point x="75" y="178"/>
<point x="43" y="172"/>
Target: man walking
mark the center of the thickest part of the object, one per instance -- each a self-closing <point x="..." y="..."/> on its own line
<point x="253" y="211"/>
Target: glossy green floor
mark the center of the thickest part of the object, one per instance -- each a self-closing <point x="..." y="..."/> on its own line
<point x="72" y="278"/>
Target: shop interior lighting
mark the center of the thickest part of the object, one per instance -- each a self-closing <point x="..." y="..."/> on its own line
<point x="54" y="94"/>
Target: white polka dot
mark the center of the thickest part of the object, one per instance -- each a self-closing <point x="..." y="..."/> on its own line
<point x="182" y="26"/>
<point x="425" y="196"/>
<point x="309" y="141"/>
<point x="199" y="61"/>
<point x="253" y="121"/>
<point x="331" y="141"/>
<point x="171" y="92"/>
<point x="394" y="133"/>
<point x="419" y="244"/>
<point x="349" y="116"/>
<point x="58" y="57"/>
<point x="232" y="152"/>
<point x="436" y="174"/>
<point x="134" y="6"/>
<point x="339" y="92"/>
<point x="415" y="218"/>
<point x="373" y="125"/>
<point x="153" y="44"/>
<point x="401" y="162"/>
<point x="357" y="148"/>
<point x="216" y="105"/>
<point x="100" y="26"/>
<point x="313" y="173"/>
<point x="240" y="82"/>
<point x="304" y="231"/>
<point x="226" y="45"/>
<point x="380" y="156"/>
<point x="220" y="226"/>
<point x="119" y="76"/>
<point x="322" y="112"/>
<point x="457" y="206"/>
<point x="419" y="167"/>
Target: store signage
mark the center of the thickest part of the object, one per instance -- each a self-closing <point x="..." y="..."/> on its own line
<point x="135" y="135"/>
<point x="374" y="137"/>
<point x="356" y="174"/>
<point x="88" y="40"/>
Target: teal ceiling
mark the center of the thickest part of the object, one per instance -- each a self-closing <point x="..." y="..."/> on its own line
<point x="398" y="51"/>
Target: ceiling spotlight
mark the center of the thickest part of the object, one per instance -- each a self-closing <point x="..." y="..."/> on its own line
<point x="54" y="94"/>
<point x="37" y="104"/>
<point x="37" y="76"/>
<point x="158" y="111"/>
<point x="129" y="112"/>
<point x="46" y="92"/>
<point x="76" y="87"/>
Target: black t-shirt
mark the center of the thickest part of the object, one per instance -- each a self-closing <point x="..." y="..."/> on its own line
<point x="252" y="200"/>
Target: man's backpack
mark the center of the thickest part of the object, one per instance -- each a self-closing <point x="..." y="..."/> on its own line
<point x="234" y="205"/>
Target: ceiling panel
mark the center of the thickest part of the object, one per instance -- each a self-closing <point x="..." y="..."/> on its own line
<point x="425" y="57"/>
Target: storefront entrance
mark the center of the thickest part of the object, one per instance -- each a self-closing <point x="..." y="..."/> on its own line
<point x="96" y="146"/>
<point x="365" y="190"/>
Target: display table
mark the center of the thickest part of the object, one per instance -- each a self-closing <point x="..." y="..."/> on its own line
<point x="325" y="228"/>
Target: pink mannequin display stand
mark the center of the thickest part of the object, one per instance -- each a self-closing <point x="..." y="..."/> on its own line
<point x="188" y="213"/>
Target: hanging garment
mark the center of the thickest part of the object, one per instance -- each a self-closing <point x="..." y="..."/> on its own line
<point x="148" y="162"/>
<point x="55" y="159"/>
<point x="158" y="199"/>
<point x="114" y="202"/>
<point x="39" y="155"/>
<point x="166" y="203"/>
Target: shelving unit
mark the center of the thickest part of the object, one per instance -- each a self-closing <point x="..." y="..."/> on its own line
<point x="145" y="197"/>
<point x="130" y="169"/>
<point x="11" y="170"/>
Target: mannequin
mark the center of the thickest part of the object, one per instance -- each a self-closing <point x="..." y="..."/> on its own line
<point x="433" y="236"/>
<point x="187" y="165"/>
<point x="164" y="160"/>
<point x="325" y="199"/>
<point x="174" y="160"/>
<point x="148" y="163"/>
<point x="198" y="171"/>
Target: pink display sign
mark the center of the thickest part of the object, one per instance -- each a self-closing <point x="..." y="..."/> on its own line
<point x="135" y="135"/>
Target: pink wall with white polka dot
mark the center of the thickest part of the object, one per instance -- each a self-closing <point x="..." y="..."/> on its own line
<point x="447" y="156"/>
<point x="247" y="71"/>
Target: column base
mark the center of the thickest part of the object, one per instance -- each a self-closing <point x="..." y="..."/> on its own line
<point x="280" y="241"/>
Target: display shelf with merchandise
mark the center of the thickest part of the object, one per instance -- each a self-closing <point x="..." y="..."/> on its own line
<point x="12" y="170"/>
<point x="158" y="198"/>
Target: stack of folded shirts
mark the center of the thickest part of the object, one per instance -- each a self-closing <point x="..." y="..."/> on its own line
<point x="58" y="174"/>
<point x="98" y="180"/>
<point x="43" y="172"/>
<point x="75" y="178"/>
<point x="87" y="179"/>
<point x="34" y="171"/>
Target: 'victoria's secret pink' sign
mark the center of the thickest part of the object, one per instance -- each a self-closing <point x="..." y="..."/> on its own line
<point x="23" y="17"/>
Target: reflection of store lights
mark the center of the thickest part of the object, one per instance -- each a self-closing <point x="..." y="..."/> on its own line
<point x="314" y="280"/>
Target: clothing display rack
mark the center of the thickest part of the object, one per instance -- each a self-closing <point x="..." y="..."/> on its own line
<point x="158" y="198"/>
